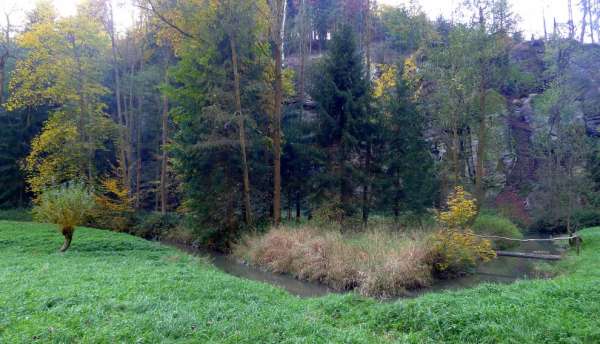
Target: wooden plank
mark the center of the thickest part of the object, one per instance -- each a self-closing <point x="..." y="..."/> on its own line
<point x="528" y="255"/>
<point x="525" y="240"/>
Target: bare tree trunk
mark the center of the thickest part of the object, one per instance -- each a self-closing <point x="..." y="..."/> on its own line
<point x="2" y="77"/>
<point x="302" y="53"/>
<point x="482" y="130"/>
<point x="481" y="145"/>
<point x="277" y="33"/>
<point x="589" y="11"/>
<point x="366" y="186"/>
<point x="545" y="29"/>
<point x="455" y="150"/>
<point x="4" y="57"/>
<point x="242" y="130"/>
<point x="67" y="232"/>
<point x="120" y="116"/>
<point x="298" y="207"/>
<point x="138" y="145"/>
<point x="583" y="26"/>
<point x="130" y="129"/>
<point x="164" y="157"/>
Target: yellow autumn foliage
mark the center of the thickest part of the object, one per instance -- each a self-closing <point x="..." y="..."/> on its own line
<point x="462" y="210"/>
<point x="386" y="81"/>
<point x="455" y="249"/>
<point x="114" y="205"/>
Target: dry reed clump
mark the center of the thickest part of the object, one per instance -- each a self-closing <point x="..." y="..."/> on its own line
<point x="375" y="263"/>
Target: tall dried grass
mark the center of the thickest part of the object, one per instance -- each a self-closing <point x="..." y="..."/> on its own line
<point x="376" y="263"/>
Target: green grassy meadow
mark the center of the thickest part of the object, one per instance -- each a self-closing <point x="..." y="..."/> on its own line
<point x="115" y="288"/>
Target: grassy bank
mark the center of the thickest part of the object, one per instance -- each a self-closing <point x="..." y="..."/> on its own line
<point x="112" y="287"/>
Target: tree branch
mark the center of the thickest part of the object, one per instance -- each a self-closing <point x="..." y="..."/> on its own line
<point x="166" y="21"/>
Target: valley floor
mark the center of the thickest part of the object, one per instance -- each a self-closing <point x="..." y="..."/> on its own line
<point x="112" y="287"/>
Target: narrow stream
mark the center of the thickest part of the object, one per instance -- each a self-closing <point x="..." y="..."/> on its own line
<point x="499" y="270"/>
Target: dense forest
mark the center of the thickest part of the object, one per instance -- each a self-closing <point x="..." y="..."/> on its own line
<point x="269" y="171"/>
<point x="238" y="114"/>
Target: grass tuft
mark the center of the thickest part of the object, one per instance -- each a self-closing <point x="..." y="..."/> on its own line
<point x="376" y="263"/>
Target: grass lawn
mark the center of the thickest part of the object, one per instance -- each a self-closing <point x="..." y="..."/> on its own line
<point x="111" y="288"/>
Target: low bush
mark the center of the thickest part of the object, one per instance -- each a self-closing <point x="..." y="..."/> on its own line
<point x="114" y="207"/>
<point x="587" y="217"/>
<point x="498" y="226"/>
<point x="154" y="225"/>
<point x="455" y="252"/>
<point x="180" y="234"/>
<point x="16" y="214"/>
<point x="375" y="263"/>
<point x="581" y="218"/>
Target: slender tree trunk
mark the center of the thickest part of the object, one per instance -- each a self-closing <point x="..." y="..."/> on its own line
<point x="138" y="145"/>
<point x="583" y="26"/>
<point x="4" y="57"/>
<point x="589" y="11"/>
<point x="368" y="39"/>
<point x="482" y="130"/>
<point x="302" y="53"/>
<point x="2" y="77"/>
<point x="298" y="207"/>
<point x="367" y="182"/>
<point x="481" y="146"/>
<point x="277" y="35"/>
<point x="366" y="186"/>
<point x="67" y="232"/>
<point x="83" y="120"/>
<point x="130" y="130"/>
<point x="120" y="116"/>
<point x="164" y="158"/>
<point x="242" y="130"/>
<point x="289" y="204"/>
<point x="455" y="155"/>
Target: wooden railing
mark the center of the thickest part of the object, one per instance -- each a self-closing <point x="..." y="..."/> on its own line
<point x="574" y="240"/>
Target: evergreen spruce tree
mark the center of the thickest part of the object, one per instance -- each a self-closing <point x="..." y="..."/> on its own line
<point x="342" y="94"/>
<point x="410" y="180"/>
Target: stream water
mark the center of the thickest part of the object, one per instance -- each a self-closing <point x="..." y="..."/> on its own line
<point x="499" y="270"/>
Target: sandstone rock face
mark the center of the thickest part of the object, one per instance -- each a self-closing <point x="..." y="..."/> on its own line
<point x="582" y="76"/>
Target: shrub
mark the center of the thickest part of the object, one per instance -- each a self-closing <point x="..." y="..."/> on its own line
<point x="453" y="252"/>
<point x="16" y="214"/>
<point x="461" y="210"/>
<point x="155" y="225"/>
<point x="114" y="206"/>
<point x="587" y="217"/>
<point x="498" y="226"/>
<point x="67" y="206"/>
<point x="581" y="218"/>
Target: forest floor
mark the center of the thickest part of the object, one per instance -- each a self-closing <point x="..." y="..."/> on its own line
<point x="112" y="287"/>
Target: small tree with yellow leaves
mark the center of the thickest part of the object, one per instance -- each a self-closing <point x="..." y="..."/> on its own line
<point x="115" y="206"/>
<point x="462" y="210"/>
<point x="455" y="249"/>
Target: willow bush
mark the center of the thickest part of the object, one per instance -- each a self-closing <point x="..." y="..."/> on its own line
<point x="68" y="205"/>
